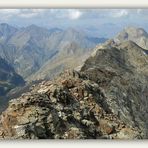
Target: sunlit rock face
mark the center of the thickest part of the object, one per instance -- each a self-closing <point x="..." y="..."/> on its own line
<point x="137" y="35"/>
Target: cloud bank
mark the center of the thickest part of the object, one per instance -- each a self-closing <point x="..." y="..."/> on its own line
<point x="92" y="19"/>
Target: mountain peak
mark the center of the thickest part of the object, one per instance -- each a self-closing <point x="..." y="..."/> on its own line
<point x="5" y="25"/>
<point x="117" y="56"/>
<point x="33" y="27"/>
<point x="55" y="30"/>
<point x="73" y="31"/>
<point x="136" y="31"/>
<point x="137" y="35"/>
<point x="7" y="30"/>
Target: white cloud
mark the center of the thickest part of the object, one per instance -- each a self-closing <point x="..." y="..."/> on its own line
<point x="53" y="15"/>
<point x="53" y="10"/>
<point x="28" y="15"/>
<point x="9" y="11"/>
<point x="139" y="11"/>
<point x="120" y="13"/>
<point x="142" y="12"/>
<point x="38" y="10"/>
<point x="6" y="14"/>
<point x="24" y="13"/>
<point x="74" y="14"/>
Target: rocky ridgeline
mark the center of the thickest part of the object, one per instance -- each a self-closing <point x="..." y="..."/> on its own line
<point x="106" y="99"/>
<point x="69" y="107"/>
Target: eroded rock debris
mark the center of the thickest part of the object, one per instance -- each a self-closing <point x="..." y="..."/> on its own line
<point x="70" y="107"/>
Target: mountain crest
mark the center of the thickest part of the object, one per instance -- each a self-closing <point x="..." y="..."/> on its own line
<point x="137" y="35"/>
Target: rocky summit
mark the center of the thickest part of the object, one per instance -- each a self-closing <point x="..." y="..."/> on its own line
<point x="137" y="35"/>
<point x="105" y="99"/>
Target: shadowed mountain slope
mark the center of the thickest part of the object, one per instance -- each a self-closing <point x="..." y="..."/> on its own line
<point x="9" y="79"/>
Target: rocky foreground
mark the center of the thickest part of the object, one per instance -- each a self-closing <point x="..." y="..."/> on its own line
<point x="69" y="108"/>
<point x="106" y="99"/>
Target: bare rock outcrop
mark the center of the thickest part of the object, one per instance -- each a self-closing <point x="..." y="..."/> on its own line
<point x="70" y="107"/>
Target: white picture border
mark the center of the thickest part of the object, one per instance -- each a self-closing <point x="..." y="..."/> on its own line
<point x="73" y="4"/>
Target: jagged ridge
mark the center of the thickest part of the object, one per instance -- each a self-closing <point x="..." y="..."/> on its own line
<point x="106" y="99"/>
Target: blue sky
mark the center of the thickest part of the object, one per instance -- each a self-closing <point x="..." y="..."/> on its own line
<point x="99" y="21"/>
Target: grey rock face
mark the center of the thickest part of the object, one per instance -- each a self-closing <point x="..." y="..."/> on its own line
<point x="121" y="71"/>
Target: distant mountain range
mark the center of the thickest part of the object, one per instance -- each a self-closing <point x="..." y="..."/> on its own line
<point x="74" y="58"/>
<point x="31" y="53"/>
<point x="38" y="53"/>
<point x="28" y="49"/>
